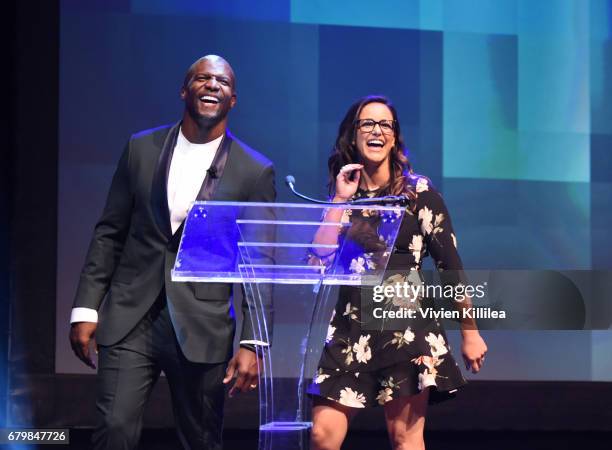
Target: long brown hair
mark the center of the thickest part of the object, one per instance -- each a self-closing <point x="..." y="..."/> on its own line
<point x="345" y="151"/>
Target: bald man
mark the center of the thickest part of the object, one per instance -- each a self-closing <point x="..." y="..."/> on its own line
<point x="149" y="323"/>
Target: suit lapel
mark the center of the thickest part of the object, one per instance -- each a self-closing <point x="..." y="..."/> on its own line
<point x="210" y="183"/>
<point x="159" y="190"/>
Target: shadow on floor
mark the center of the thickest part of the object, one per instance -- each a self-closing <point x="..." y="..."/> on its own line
<point x="158" y="439"/>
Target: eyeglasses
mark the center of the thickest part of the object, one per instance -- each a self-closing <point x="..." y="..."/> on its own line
<point x="367" y="125"/>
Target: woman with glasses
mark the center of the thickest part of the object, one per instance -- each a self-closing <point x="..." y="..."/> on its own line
<point x="401" y="370"/>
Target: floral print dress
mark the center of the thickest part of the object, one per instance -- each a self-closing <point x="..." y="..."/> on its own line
<point x="361" y="368"/>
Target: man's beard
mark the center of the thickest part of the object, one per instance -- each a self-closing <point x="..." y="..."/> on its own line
<point x="207" y="121"/>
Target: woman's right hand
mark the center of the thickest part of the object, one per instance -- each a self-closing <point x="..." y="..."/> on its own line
<point x="345" y="187"/>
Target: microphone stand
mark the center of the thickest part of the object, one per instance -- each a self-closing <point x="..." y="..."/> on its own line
<point x="388" y="200"/>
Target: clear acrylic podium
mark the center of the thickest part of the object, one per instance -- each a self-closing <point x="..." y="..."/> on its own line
<point x="270" y="249"/>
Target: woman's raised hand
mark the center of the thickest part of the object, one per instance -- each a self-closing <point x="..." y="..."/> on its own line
<point x="345" y="187"/>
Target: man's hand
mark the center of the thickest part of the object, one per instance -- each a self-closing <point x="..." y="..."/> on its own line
<point x="245" y="366"/>
<point x="81" y="340"/>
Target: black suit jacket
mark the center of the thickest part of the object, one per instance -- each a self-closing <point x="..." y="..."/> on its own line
<point x="133" y="249"/>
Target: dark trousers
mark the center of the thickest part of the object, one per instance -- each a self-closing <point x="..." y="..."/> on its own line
<point x="127" y="373"/>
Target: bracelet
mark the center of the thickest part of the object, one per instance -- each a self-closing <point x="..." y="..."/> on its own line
<point x="314" y="254"/>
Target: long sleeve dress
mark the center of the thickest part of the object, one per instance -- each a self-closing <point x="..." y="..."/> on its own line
<point x="362" y="367"/>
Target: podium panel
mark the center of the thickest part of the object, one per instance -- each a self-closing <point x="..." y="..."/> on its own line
<point x="271" y="250"/>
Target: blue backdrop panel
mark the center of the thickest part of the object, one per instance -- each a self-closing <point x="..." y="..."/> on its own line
<point x="356" y="61"/>
<point x="504" y="105"/>
<point x="268" y="10"/>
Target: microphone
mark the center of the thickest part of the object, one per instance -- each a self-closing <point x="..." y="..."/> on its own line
<point x="212" y="172"/>
<point x="290" y="182"/>
<point x="389" y="200"/>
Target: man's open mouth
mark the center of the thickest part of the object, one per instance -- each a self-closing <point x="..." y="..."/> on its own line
<point x="209" y="99"/>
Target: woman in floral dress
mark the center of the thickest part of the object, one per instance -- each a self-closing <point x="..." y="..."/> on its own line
<point x="403" y="370"/>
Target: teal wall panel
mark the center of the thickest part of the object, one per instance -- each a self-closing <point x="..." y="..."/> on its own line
<point x="364" y="13"/>
<point x="481" y="16"/>
<point x="480" y="84"/>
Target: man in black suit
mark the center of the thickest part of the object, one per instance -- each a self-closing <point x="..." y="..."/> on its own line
<point x="148" y="323"/>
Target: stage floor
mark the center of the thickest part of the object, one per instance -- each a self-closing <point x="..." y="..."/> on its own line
<point x="158" y="439"/>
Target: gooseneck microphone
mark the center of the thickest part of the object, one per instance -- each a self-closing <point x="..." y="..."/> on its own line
<point x="290" y="182"/>
<point x="388" y="200"/>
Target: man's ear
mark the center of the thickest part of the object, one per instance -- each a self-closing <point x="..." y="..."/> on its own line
<point x="183" y="92"/>
<point x="233" y="100"/>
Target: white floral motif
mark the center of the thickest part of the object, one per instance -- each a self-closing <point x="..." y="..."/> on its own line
<point x="371" y="265"/>
<point x="454" y="239"/>
<point x="348" y="350"/>
<point x="362" y="349"/>
<point x="330" y="333"/>
<point x="384" y="395"/>
<point x="408" y="336"/>
<point x="350" y="311"/>
<point x="320" y="377"/>
<point x="400" y="339"/>
<point x="393" y="280"/>
<point x="354" y="399"/>
<point x="357" y="265"/>
<point x="422" y="185"/>
<point x="430" y="362"/>
<point x="437" y="344"/>
<point x="437" y="223"/>
<point x="426" y="379"/>
<point x="346" y="216"/>
<point x="416" y="246"/>
<point x="425" y="216"/>
<point x="369" y="212"/>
